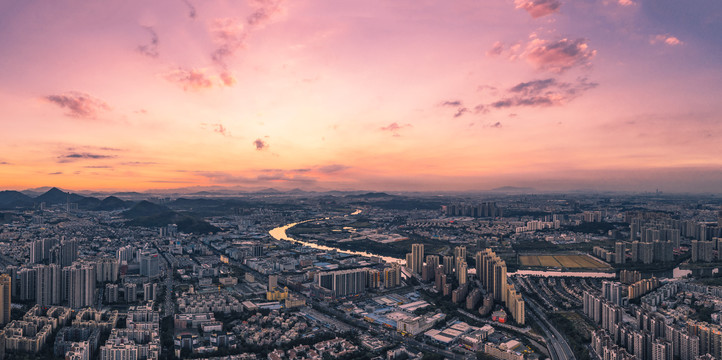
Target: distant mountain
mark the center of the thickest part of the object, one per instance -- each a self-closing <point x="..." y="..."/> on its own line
<point x="296" y="191"/>
<point x="35" y="192"/>
<point x="513" y="189"/>
<point x="148" y="214"/>
<point x="268" y="191"/>
<point x="145" y="208"/>
<point x="371" y="195"/>
<point x="10" y="199"/>
<point x="88" y="203"/>
<point x="112" y="203"/>
<point x="57" y="196"/>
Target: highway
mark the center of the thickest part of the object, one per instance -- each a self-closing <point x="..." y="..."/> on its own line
<point x="558" y="347"/>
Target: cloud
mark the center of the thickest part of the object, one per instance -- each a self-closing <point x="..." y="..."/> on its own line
<point x="460" y="112"/>
<point x="227" y="79"/>
<point x="666" y="39"/>
<point x="231" y="34"/>
<point x="260" y="144"/>
<point x="190" y="80"/>
<point x="538" y="8"/>
<point x="394" y="128"/>
<point x="542" y="93"/>
<point x="453" y="103"/>
<point x="265" y="11"/>
<point x="150" y="50"/>
<point x="191" y="9"/>
<point x="219" y="128"/>
<point x="98" y="167"/>
<point x="219" y="177"/>
<point x="4" y="163"/>
<point x="496" y="125"/>
<point x="79" y="105"/>
<point x="558" y="56"/>
<point x="56" y="173"/>
<point x="71" y="157"/>
<point x="333" y="168"/>
<point x="626" y="2"/>
<point x="481" y="108"/>
<point x="138" y="163"/>
<point x="496" y="49"/>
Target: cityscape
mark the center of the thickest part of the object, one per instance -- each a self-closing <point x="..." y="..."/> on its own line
<point x="360" y="275"/>
<point x="361" y="180"/>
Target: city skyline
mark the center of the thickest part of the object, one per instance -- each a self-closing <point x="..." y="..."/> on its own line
<point x="552" y="95"/>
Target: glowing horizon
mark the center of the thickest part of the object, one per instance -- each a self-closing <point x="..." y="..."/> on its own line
<point x="408" y="95"/>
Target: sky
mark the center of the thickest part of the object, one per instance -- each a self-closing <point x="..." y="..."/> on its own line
<point x="415" y="95"/>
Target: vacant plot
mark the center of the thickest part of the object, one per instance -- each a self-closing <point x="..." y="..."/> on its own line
<point x="548" y="261"/>
<point x="565" y="261"/>
<point x="529" y="260"/>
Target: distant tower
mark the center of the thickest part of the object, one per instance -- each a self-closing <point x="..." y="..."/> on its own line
<point x="5" y="292"/>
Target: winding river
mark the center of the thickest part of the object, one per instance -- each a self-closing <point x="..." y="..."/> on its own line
<point x="279" y="233"/>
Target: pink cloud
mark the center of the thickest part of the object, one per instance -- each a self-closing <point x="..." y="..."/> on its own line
<point x="496" y="49"/>
<point x="394" y="128"/>
<point x="79" y="105"/>
<point x="260" y="144"/>
<point x="558" y="56"/>
<point x="199" y="79"/>
<point x="666" y="39"/>
<point x="538" y="8"/>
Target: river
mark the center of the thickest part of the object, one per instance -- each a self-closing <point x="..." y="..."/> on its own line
<point x="279" y="233"/>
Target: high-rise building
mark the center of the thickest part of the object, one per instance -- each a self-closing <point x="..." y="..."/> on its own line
<point x="69" y="252"/>
<point x="272" y="282"/>
<point x="620" y="253"/>
<point x="149" y="264"/>
<point x="374" y="278"/>
<point x="28" y="287"/>
<point x="479" y="259"/>
<point x="461" y="272"/>
<point x="448" y="264"/>
<point x="5" y="296"/>
<point x="433" y="261"/>
<point x="343" y="282"/>
<point x="111" y="293"/>
<point x="79" y="285"/>
<point x="125" y="254"/>
<point x="149" y="291"/>
<point x="131" y="293"/>
<point x="417" y="257"/>
<point x="48" y="285"/>
<point x="494" y="280"/>
<point x="459" y="256"/>
<point x="107" y="269"/>
<point x="257" y="250"/>
<point x="392" y="276"/>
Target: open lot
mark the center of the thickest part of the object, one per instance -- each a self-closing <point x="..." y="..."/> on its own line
<point x="565" y="261"/>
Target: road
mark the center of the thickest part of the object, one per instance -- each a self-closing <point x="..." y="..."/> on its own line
<point x="558" y="347"/>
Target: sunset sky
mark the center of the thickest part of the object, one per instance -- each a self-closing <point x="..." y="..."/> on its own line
<point x="373" y="95"/>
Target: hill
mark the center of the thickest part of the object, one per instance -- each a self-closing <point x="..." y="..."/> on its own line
<point x="148" y="214"/>
<point x="10" y="199"/>
<point x="112" y="203"/>
<point x="57" y="196"/>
